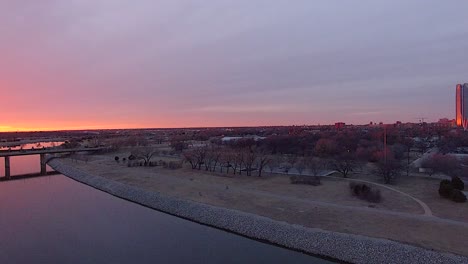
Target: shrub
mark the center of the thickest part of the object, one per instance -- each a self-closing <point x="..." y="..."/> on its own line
<point x="448" y="190"/>
<point x="445" y="188"/>
<point x="309" y="180"/>
<point x="365" y="192"/>
<point x="458" y="184"/>
<point x="116" y="158"/>
<point x="173" y="165"/>
<point x="457" y="196"/>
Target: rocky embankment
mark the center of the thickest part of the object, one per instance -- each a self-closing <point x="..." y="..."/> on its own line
<point x="339" y="246"/>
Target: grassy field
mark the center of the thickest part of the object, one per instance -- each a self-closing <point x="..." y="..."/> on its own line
<point x="329" y="206"/>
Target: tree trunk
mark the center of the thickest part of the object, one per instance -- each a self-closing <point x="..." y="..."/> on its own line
<point x="407" y="166"/>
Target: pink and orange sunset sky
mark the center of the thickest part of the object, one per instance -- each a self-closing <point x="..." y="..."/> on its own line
<point x="82" y="64"/>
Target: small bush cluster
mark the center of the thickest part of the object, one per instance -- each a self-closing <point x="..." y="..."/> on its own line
<point x="365" y="192"/>
<point x="153" y="163"/>
<point x="453" y="190"/>
<point x="445" y="188"/>
<point x="135" y="163"/>
<point x="309" y="180"/>
<point x="458" y="184"/>
<point x="173" y="165"/>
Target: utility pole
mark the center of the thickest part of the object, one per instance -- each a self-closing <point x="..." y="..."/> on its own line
<point x="421" y="119"/>
<point x="385" y="144"/>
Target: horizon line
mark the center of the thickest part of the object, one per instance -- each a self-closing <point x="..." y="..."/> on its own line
<point x="202" y="127"/>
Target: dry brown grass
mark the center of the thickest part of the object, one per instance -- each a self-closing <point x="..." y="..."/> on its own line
<point x="426" y="190"/>
<point x="329" y="206"/>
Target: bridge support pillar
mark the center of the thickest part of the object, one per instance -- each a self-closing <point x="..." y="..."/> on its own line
<point x="7" y="168"/>
<point x="43" y="164"/>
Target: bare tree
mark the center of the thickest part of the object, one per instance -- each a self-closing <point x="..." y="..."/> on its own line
<point x="440" y="163"/>
<point x="238" y="160"/>
<point x="215" y="157"/>
<point x="208" y="159"/>
<point x="274" y="163"/>
<point x="263" y="160"/>
<point x="212" y="157"/>
<point x="200" y="155"/>
<point x="292" y="160"/>
<point x="300" y="165"/>
<point x="344" y="164"/>
<point x="250" y="156"/>
<point x="389" y="169"/>
<point x="144" y="153"/>
<point x="288" y="162"/>
<point x="190" y="158"/>
<point x="314" y="165"/>
<point x="408" y="143"/>
<point x="226" y="159"/>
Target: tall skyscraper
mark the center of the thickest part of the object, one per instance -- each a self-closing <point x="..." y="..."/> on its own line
<point x="462" y="105"/>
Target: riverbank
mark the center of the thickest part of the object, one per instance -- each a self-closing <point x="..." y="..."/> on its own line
<point x="29" y="141"/>
<point x="340" y="246"/>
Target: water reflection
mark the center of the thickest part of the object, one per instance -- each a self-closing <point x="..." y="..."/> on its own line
<point x="37" y="145"/>
<point x="21" y="165"/>
<point x="56" y="220"/>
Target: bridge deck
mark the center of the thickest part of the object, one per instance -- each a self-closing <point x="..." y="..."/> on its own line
<point x="8" y="153"/>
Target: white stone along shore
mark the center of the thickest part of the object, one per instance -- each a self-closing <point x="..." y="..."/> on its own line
<point x="342" y="247"/>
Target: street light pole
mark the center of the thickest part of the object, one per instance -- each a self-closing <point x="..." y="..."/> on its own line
<point x="385" y="144"/>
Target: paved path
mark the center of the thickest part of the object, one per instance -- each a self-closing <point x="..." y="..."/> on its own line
<point x="425" y="207"/>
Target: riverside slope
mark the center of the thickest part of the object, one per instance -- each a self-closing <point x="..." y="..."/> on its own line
<point x="343" y="247"/>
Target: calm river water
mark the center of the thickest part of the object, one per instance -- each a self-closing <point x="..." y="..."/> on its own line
<point x="54" y="219"/>
<point x="25" y="164"/>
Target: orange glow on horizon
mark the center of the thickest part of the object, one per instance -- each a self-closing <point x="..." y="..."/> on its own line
<point x="62" y="125"/>
<point x="29" y="129"/>
<point x="72" y="127"/>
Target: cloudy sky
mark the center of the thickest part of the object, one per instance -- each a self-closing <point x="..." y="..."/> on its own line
<point x="72" y="64"/>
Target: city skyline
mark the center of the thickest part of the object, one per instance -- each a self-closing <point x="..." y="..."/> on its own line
<point x="120" y="64"/>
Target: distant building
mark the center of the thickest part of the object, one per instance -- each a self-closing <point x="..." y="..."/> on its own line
<point x="445" y="122"/>
<point x="340" y="125"/>
<point x="461" y="104"/>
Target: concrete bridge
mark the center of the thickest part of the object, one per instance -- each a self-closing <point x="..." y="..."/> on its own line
<point x="41" y="152"/>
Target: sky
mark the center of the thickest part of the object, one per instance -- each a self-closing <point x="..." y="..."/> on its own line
<point x="89" y="64"/>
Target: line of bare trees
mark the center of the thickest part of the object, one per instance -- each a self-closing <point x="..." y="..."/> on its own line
<point x="251" y="160"/>
<point x="229" y="160"/>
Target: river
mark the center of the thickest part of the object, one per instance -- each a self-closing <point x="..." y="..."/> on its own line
<point x="53" y="219"/>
